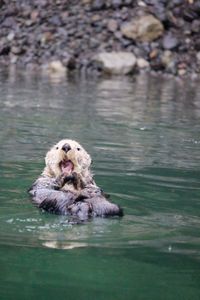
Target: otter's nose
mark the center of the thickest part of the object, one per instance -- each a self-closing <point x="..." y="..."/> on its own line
<point x="66" y="147"/>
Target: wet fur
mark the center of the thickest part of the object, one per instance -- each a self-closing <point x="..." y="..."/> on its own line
<point x="75" y="194"/>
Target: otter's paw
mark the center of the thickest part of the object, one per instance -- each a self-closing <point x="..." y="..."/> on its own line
<point x="80" y="209"/>
<point x="102" y="207"/>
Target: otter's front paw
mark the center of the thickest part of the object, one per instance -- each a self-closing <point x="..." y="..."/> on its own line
<point x="80" y="209"/>
<point x="62" y="179"/>
<point x="76" y="180"/>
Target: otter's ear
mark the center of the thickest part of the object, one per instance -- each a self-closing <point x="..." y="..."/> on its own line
<point x="48" y="159"/>
<point x="88" y="161"/>
<point x="48" y="169"/>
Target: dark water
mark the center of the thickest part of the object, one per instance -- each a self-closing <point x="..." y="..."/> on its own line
<point x="144" y="136"/>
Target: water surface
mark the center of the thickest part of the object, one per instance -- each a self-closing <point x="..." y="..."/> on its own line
<point x="143" y="135"/>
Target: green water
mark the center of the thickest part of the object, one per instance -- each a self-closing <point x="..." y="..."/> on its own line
<point x="144" y="136"/>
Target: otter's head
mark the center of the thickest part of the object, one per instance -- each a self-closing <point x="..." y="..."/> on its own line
<point x="65" y="157"/>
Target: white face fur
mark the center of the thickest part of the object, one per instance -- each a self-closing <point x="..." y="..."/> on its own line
<point x="77" y="154"/>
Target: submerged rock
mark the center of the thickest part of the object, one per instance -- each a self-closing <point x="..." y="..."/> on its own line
<point x="117" y="63"/>
<point x="146" y="29"/>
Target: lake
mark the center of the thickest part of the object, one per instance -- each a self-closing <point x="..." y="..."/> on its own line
<point x="143" y="134"/>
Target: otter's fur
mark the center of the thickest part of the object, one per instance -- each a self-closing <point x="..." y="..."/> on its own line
<point x="66" y="185"/>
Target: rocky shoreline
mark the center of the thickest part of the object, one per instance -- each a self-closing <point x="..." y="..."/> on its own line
<point x="95" y="36"/>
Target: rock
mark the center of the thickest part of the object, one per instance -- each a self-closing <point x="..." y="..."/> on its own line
<point x="190" y="13"/>
<point x="142" y="63"/>
<point x="112" y="25"/>
<point x="170" y="42"/>
<point x="94" y="43"/>
<point x="141" y="3"/>
<point x="86" y="1"/>
<point x="28" y="23"/>
<point x="35" y="32"/>
<point x="64" y="17"/>
<point x="34" y="15"/>
<point x="169" y="61"/>
<point x="198" y="56"/>
<point x="117" y="3"/>
<point x="128" y="2"/>
<point x="157" y="65"/>
<point x="10" y="36"/>
<point x="197" y="44"/>
<point x="146" y="29"/>
<point x="17" y="50"/>
<point x="9" y="22"/>
<point x="117" y="63"/>
<point x="167" y="57"/>
<point x="195" y="26"/>
<point x="55" y="20"/>
<point x="95" y="18"/>
<point x="154" y="53"/>
<point x="98" y="4"/>
<point x="56" y="67"/>
<point x="13" y="59"/>
<point x="45" y="38"/>
<point x="182" y="72"/>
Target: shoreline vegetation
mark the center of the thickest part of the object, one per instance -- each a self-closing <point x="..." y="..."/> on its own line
<point x="117" y="37"/>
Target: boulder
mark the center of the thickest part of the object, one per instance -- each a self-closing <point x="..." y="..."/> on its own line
<point x="116" y="63"/>
<point x="56" y="67"/>
<point x="145" y="29"/>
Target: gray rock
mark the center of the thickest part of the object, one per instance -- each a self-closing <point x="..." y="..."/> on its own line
<point x="55" y="20"/>
<point x="170" y="42"/>
<point x="98" y="4"/>
<point x="182" y="72"/>
<point x="167" y="57"/>
<point x="86" y="1"/>
<point x="117" y="3"/>
<point x="169" y="61"/>
<point x="146" y="29"/>
<point x="11" y="36"/>
<point x="116" y="63"/>
<point x="195" y="26"/>
<point x="94" y="43"/>
<point x="112" y="25"/>
<point x="17" y="50"/>
<point x="142" y="63"/>
<point x="13" y="59"/>
<point x="198" y="56"/>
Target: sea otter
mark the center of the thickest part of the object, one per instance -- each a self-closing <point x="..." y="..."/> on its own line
<point x="67" y="187"/>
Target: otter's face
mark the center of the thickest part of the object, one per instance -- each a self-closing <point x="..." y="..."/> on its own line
<point x="67" y="156"/>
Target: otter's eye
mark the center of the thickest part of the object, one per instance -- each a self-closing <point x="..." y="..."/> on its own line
<point x="56" y="148"/>
<point x="78" y="149"/>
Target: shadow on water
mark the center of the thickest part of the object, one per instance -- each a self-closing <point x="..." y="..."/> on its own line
<point x="143" y="134"/>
